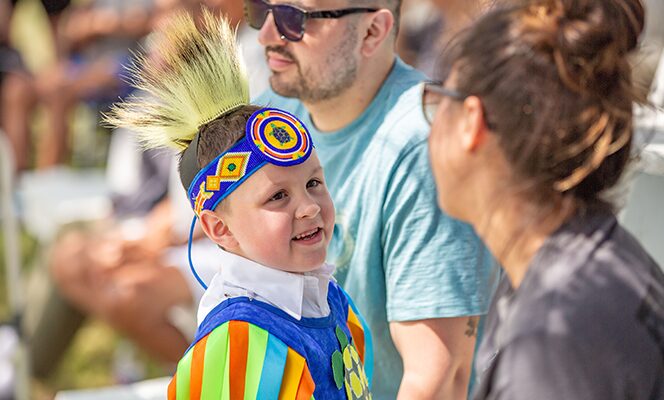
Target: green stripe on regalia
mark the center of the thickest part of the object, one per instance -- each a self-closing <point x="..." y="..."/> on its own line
<point x="215" y="363"/>
<point x="255" y="358"/>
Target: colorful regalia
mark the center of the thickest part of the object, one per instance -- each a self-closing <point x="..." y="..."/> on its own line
<point x="248" y="349"/>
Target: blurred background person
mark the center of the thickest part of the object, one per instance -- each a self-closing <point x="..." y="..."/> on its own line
<point x="97" y="39"/>
<point x="18" y="86"/>
<point x="92" y="41"/>
<point x="87" y="259"/>
<point x="95" y="267"/>
<point x="427" y="27"/>
<point x="131" y="269"/>
<point x="254" y="56"/>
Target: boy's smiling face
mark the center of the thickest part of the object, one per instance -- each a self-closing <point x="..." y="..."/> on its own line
<point x="282" y="217"/>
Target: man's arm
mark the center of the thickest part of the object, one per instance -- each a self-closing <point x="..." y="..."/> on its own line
<point x="438" y="274"/>
<point x="437" y="356"/>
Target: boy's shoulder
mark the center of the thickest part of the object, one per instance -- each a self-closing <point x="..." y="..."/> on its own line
<point x="252" y="314"/>
<point x="272" y="319"/>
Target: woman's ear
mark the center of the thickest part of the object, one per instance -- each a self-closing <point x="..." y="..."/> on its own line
<point x="475" y="129"/>
<point x="217" y="230"/>
<point x="378" y="30"/>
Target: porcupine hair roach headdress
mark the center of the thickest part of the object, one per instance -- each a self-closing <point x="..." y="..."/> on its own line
<point x="191" y="76"/>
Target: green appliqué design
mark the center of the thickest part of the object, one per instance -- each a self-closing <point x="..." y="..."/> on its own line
<point x="348" y="370"/>
<point x="231" y="167"/>
<point x="338" y="368"/>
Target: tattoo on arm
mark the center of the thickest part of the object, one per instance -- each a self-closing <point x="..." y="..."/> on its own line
<point x="471" y="329"/>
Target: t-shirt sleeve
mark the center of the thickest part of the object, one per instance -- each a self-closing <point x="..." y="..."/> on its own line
<point x="551" y="367"/>
<point x="435" y="266"/>
<point x="240" y="360"/>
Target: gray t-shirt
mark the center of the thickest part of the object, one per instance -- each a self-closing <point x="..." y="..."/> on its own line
<point x="586" y="323"/>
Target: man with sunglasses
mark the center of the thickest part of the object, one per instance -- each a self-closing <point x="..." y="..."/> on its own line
<point x="420" y="277"/>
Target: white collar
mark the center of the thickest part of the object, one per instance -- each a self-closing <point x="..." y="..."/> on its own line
<point x="298" y="295"/>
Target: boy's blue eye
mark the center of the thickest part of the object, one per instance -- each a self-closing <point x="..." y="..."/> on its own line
<point x="313" y="183"/>
<point x="278" y="196"/>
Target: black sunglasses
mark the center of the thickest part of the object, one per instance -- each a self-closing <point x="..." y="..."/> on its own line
<point x="289" y="19"/>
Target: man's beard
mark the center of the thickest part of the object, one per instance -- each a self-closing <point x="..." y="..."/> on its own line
<point x="312" y="86"/>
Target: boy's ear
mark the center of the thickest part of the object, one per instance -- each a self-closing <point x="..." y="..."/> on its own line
<point x="217" y="230"/>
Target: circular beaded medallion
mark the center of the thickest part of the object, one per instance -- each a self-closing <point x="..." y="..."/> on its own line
<point x="279" y="136"/>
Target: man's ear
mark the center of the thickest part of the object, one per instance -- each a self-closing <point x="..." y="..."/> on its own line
<point x="474" y="126"/>
<point x="217" y="230"/>
<point x="378" y="30"/>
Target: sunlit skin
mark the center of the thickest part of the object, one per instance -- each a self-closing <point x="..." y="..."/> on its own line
<point x="467" y="164"/>
<point x="477" y="184"/>
<point x="337" y="67"/>
<point x="281" y="217"/>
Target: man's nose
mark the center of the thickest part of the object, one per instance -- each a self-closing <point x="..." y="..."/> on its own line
<point x="269" y="34"/>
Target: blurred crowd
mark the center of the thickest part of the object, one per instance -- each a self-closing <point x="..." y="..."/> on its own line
<point x="108" y="267"/>
<point x="128" y="267"/>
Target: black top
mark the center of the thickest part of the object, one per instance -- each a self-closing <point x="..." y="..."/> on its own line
<point x="586" y="323"/>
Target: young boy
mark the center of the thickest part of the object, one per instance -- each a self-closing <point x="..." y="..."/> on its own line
<point x="273" y="323"/>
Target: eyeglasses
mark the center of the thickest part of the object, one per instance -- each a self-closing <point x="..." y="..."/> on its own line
<point x="432" y="94"/>
<point x="289" y="19"/>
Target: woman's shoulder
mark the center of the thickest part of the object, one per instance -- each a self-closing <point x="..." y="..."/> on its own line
<point x="591" y="280"/>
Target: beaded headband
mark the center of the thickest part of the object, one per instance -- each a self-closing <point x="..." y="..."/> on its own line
<point x="271" y="136"/>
